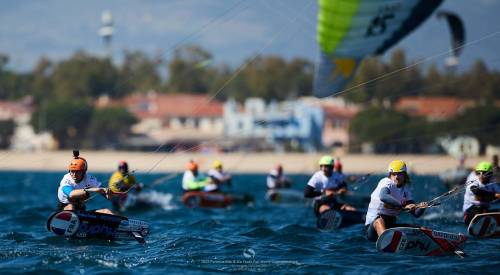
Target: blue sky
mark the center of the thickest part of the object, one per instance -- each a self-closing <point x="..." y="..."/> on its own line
<point x="232" y="30"/>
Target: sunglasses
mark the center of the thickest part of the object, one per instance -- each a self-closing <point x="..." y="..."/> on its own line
<point x="484" y="173"/>
<point x="397" y="173"/>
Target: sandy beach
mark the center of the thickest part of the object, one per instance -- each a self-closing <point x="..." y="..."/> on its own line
<point x="149" y="162"/>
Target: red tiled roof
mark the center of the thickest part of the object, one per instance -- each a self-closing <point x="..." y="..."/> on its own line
<point x="433" y="107"/>
<point x="339" y="112"/>
<point x="173" y="105"/>
<point x="14" y="108"/>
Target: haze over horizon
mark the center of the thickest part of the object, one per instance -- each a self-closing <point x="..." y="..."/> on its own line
<point x="232" y="30"/>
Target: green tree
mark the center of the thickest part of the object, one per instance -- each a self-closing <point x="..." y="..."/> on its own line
<point x="85" y="76"/>
<point x="42" y="86"/>
<point x="434" y="81"/>
<point x="481" y="122"/>
<point x="67" y="120"/>
<point x="364" y="81"/>
<point x="394" y="81"/>
<point x="265" y="76"/>
<point x="300" y="73"/>
<point x="138" y="73"/>
<point x="5" y="77"/>
<point x="414" y="82"/>
<point x="13" y="85"/>
<point x="7" y="128"/>
<point x="188" y="70"/>
<point x="477" y="83"/>
<point x="109" y="126"/>
<point x="391" y="131"/>
<point x="223" y="84"/>
<point x="273" y="78"/>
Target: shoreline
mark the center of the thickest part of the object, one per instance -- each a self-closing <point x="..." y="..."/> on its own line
<point x="293" y="163"/>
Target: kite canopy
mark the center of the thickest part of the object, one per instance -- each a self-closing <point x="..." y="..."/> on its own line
<point x="349" y="30"/>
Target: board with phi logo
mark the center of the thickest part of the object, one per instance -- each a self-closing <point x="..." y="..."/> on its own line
<point x="420" y="242"/>
<point x="93" y="225"/>
<point x="485" y="225"/>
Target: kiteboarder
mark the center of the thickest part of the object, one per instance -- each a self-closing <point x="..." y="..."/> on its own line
<point x="76" y="186"/>
<point x="480" y="192"/>
<point x="194" y="181"/>
<point x="120" y="184"/>
<point x="324" y="186"/>
<point x="276" y="178"/>
<point x="338" y="168"/>
<point x="390" y="197"/>
<point x="218" y="175"/>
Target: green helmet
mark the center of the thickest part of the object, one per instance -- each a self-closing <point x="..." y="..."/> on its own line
<point x="484" y="166"/>
<point x="326" y="160"/>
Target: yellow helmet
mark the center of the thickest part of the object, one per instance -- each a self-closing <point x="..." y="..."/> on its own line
<point x="397" y="166"/>
<point x="326" y="160"/>
<point x="217" y="164"/>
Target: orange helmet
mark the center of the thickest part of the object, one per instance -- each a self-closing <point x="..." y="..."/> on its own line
<point x="78" y="164"/>
<point x="192" y="166"/>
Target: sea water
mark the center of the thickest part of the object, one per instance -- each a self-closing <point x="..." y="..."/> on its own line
<point x="264" y="237"/>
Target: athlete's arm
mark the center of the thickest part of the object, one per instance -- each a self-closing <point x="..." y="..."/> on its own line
<point x="385" y="197"/>
<point x="226" y="178"/>
<point x="326" y="198"/>
<point x="215" y="179"/>
<point x="106" y="192"/>
<point x="280" y="183"/>
<point x="495" y="189"/>
<point x="342" y="188"/>
<point x="482" y="194"/>
<point x="75" y="195"/>
<point x="416" y="210"/>
<point x="310" y="192"/>
<point x="139" y="186"/>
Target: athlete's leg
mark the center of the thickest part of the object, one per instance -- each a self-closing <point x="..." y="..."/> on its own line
<point x="379" y="226"/>
<point x="406" y="225"/>
<point x="105" y="211"/>
<point x="347" y="207"/>
<point x="383" y="222"/>
<point x="371" y="234"/>
<point x="323" y="208"/>
<point x="471" y="212"/>
<point x="69" y="207"/>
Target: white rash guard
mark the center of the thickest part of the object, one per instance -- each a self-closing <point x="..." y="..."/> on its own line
<point x="469" y="197"/>
<point x="68" y="184"/>
<point x="321" y="183"/>
<point x="377" y="207"/>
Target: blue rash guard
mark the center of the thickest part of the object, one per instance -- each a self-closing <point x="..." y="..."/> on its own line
<point x="66" y="190"/>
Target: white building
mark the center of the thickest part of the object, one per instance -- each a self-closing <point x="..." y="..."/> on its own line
<point x="24" y="137"/>
<point x="288" y="123"/>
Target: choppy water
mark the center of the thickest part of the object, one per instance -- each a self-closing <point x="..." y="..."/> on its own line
<point x="262" y="238"/>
